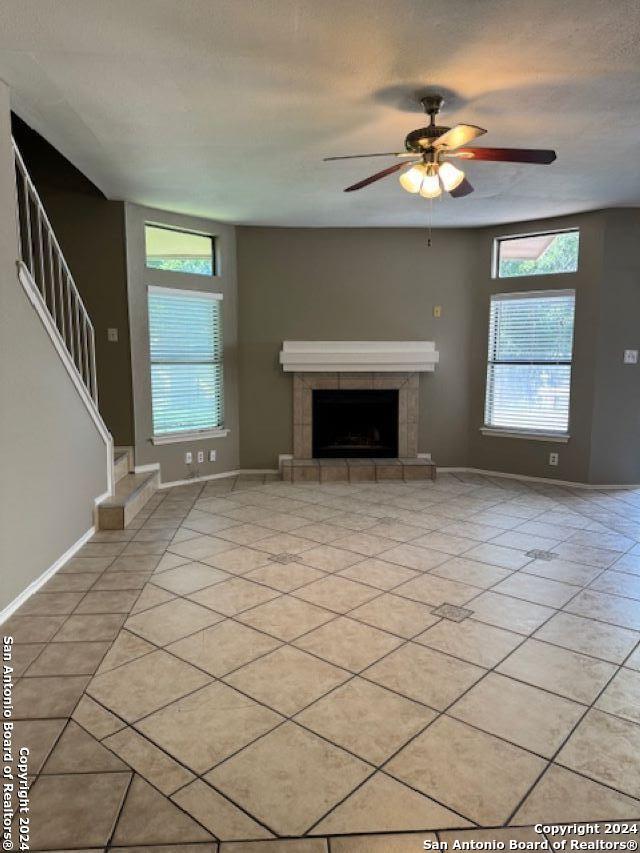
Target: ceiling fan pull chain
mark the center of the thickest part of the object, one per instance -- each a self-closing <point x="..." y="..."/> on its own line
<point x="429" y="223"/>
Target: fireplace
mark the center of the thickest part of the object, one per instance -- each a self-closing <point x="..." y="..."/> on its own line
<point x="355" y="423"/>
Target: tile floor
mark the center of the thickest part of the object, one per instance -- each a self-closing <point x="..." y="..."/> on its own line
<point x="252" y="661"/>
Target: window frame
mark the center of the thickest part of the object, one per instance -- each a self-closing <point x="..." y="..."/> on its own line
<point x="524" y="432"/>
<point x="215" y="258"/>
<point x="187" y="434"/>
<point x="505" y="238"/>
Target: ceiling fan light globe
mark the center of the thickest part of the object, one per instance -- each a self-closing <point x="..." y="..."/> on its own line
<point x="430" y="186"/>
<point x="411" y="180"/>
<point x="450" y="176"/>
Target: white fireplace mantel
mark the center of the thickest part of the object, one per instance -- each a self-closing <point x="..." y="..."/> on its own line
<point x="358" y="356"/>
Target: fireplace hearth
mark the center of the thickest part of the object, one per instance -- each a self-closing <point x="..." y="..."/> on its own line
<point x="355" y="423"/>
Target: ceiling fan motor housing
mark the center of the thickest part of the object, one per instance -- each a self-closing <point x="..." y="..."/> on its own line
<point x="422" y="138"/>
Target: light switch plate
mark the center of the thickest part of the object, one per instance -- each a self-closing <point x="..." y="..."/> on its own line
<point x="112" y="335"/>
<point x="437" y="311"/>
<point x="630" y="356"/>
<point x="201" y="456"/>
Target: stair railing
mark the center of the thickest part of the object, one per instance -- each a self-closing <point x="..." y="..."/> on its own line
<point x="42" y="256"/>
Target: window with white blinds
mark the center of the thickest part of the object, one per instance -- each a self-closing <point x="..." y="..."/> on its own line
<point x="529" y="363"/>
<point x="185" y="343"/>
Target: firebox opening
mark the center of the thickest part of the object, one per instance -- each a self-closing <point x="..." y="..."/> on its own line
<point x="355" y="423"/>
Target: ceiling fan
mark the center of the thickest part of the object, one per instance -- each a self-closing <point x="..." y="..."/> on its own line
<point x="428" y="150"/>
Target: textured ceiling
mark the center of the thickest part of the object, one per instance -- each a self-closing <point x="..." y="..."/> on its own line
<point x="225" y="108"/>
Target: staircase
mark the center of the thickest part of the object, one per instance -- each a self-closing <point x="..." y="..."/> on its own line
<point x="48" y="282"/>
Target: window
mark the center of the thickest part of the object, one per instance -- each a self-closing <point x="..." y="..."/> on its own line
<point x="529" y="363"/>
<point x="536" y="254"/>
<point x="178" y="251"/>
<point x="185" y="342"/>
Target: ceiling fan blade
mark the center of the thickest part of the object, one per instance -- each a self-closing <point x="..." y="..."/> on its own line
<point x="359" y="156"/>
<point x="372" y="178"/>
<point x="464" y="188"/>
<point x="459" y="135"/>
<point x="543" y="156"/>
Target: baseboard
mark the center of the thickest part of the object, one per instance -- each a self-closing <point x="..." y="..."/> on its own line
<point x="202" y="479"/>
<point x="35" y="585"/>
<point x="259" y="471"/>
<point x="529" y="479"/>
<point x="146" y="469"/>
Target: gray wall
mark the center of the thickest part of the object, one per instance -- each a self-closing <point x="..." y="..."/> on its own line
<point x="615" y="442"/>
<point x="53" y="461"/>
<point x="171" y="456"/>
<point x="353" y="284"/>
<point x="522" y="456"/>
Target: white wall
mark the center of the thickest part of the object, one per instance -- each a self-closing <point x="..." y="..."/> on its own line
<point x="52" y="458"/>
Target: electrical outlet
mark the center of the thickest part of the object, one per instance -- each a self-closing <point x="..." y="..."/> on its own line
<point x="201" y="456"/>
<point x="188" y="457"/>
<point x="112" y="336"/>
<point x="212" y="456"/>
<point x="553" y="458"/>
<point x="437" y="311"/>
<point x="630" y="356"/>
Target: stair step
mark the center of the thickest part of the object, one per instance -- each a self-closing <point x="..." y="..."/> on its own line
<point x="131" y="493"/>
<point x="120" y="465"/>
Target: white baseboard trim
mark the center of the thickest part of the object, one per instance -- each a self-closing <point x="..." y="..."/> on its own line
<point x="35" y="585"/>
<point x="146" y="469"/>
<point x="259" y="471"/>
<point x="101" y="498"/>
<point x="424" y="456"/>
<point x="529" y="479"/>
<point x="220" y="476"/>
<point x="283" y="457"/>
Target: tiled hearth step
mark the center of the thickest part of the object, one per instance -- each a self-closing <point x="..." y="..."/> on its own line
<point x="357" y="470"/>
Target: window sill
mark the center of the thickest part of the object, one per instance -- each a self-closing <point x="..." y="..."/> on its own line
<point x="558" y="438"/>
<point x="176" y="437"/>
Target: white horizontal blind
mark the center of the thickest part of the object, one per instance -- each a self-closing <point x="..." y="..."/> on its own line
<point x="185" y="341"/>
<point x="529" y="363"/>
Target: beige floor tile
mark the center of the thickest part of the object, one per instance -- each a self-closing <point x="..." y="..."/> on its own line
<point x="150" y="597"/>
<point x="245" y="534"/>
<point x="136" y="563"/>
<point x="286" y="618"/>
<point x="348" y="643"/>
<point x="171" y="621"/>
<point x="509" y="613"/>
<point x="86" y="564"/>
<point x="406" y="842"/>
<point x="618" y="583"/>
<point x="623" y="612"/>
<point x="606" y="749"/>
<point x="563" y="570"/>
<point x="201" y="547"/>
<point x="101" y="549"/>
<point x="336" y="593"/>
<point x="239" y="561"/>
<point x="525" y="835"/>
<point x="397" y="615"/>
<point x="589" y="636"/>
<point x="568" y="673"/>
<point x="76" y="810"/>
<point x="203" y="522"/>
<point x="397" y="531"/>
<point x="284" y="543"/>
<point x="287" y="679"/>
<point x="443" y="763"/>
<point x="524" y="715"/>
<point x="586" y="554"/>
<point x="68" y="659"/>
<point x="47" y="697"/>
<point x="108" y="601"/>
<point x="79" y="752"/>
<point x="234" y="596"/>
<point x="435" y="591"/>
<point x="170" y="561"/>
<point x="622" y="696"/>
<point x="154" y="547"/>
<point x="32" y="629"/>
<point x="289" y="779"/>
<point x="365" y="719"/>
<point x="413" y="557"/>
<point x="285" y="577"/>
<point x="497" y="555"/>
<point x="120" y="580"/>
<point x="223" y="647"/>
<point x="385" y="805"/>
<point x="448" y="543"/>
<point x="472" y="641"/>
<point x="629" y="563"/>
<point x="151" y="763"/>
<point x="189" y="578"/>
<point x="150" y="818"/>
<point x="51" y="603"/>
<point x="144" y="685"/>
<point x="39" y="736"/>
<point x="471" y="572"/>
<point x="126" y="647"/>
<point x="290" y="845"/>
<point x="633" y="661"/>
<point x="22" y="656"/>
<point x="219" y="815"/>
<point x="537" y="590"/>
<point x="522" y="541"/>
<point x="95" y="719"/>
<point x="424" y="675"/>
<point x="207" y="726"/>
<point x="93" y="627"/>
<point x="363" y="543"/>
<point x="328" y="558"/>
<point x="378" y="573"/>
<point x="561" y="795"/>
